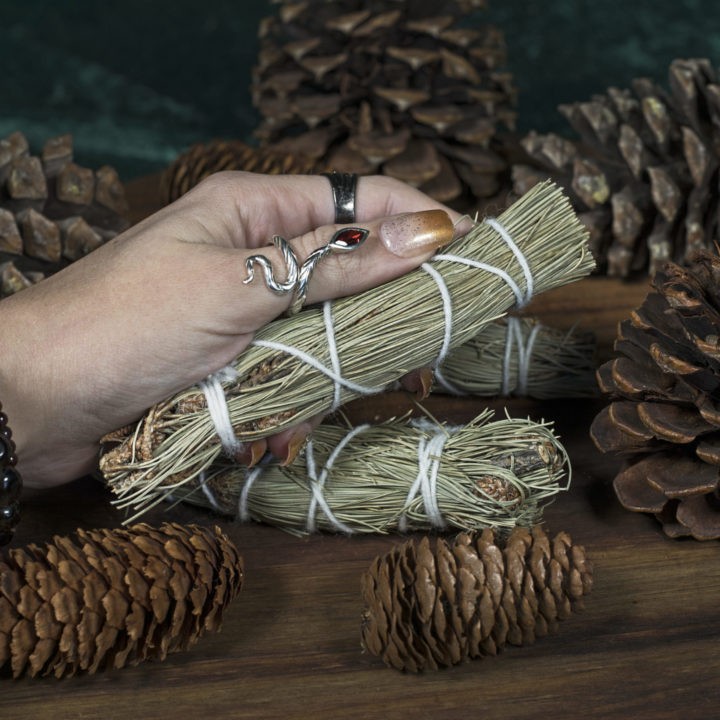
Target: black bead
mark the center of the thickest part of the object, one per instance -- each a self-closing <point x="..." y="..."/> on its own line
<point x="6" y="450"/>
<point x="3" y="418"/>
<point x="9" y="517"/>
<point x="10" y="486"/>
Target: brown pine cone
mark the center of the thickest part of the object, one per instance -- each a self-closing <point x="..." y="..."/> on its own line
<point x="665" y="411"/>
<point x="203" y="159"/>
<point x="429" y="607"/>
<point x="644" y="172"/>
<point x="399" y="87"/>
<point x="112" y="598"/>
<point x="52" y="211"/>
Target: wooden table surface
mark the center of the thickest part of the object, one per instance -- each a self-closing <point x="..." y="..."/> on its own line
<point x="646" y="645"/>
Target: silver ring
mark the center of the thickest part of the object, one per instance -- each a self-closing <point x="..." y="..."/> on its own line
<point x="344" y="188"/>
<point x="298" y="276"/>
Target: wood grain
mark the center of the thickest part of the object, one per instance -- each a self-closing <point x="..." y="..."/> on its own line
<point x="645" y="647"/>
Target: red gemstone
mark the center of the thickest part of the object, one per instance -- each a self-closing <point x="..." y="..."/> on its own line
<point x="349" y="238"/>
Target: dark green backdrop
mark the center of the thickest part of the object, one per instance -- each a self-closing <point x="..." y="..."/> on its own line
<point x="136" y="81"/>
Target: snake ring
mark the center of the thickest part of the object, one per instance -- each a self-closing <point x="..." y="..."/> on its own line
<point x="297" y="275"/>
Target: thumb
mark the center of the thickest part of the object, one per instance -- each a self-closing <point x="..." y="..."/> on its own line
<point x="390" y="247"/>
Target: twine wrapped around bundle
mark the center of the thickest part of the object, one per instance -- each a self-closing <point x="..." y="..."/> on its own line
<point x="398" y="476"/>
<point x="521" y="357"/>
<point x="317" y="360"/>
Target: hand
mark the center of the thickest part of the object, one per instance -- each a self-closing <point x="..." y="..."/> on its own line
<point x="157" y="309"/>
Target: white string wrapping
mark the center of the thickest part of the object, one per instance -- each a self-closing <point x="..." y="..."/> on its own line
<point x="250" y="477"/>
<point x="429" y="456"/>
<point x="333" y="373"/>
<point x="317" y="483"/>
<point x="208" y="493"/>
<point x="215" y="395"/>
<point x="217" y="407"/>
<point x="524" y="356"/>
<point x="496" y="225"/>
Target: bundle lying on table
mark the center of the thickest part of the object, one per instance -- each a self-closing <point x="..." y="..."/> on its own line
<point x="433" y="606"/>
<point x="412" y="475"/>
<point x="665" y="410"/>
<point x="521" y="357"/>
<point x="313" y="362"/>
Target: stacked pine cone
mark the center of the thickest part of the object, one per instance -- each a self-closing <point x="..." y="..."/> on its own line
<point x="429" y="607"/>
<point x="665" y="411"/>
<point x="644" y="173"/>
<point x="52" y="211"/>
<point x="387" y="86"/>
<point x="112" y="598"/>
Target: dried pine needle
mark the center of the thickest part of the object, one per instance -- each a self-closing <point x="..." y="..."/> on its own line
<point x="522" y="357"/>
<point x="485" y="474"/>
<point x="380" y="335"/>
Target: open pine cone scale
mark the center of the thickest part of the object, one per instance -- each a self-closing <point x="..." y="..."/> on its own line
<point x="643" y="172"/>
<point x="664" y="415"/>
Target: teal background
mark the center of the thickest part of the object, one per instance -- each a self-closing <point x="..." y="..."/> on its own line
<point x="138" y="81"/>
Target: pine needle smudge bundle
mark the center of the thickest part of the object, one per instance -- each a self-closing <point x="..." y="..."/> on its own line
<point x="400" y="476"/>
<point x="363" y="344"/>
<point x="523" y="358"/>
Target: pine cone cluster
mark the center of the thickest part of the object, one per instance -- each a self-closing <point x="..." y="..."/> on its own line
<point x="52" y="211"/>
<point x="665" y="411"/>
<point x="435" y="606"/>
<point x="203" y="159"/>
<point x="398" y="87"/>
<point x="644" y="173"/>
<point x="112" y="598"/>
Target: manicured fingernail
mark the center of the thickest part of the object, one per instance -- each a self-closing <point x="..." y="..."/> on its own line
<point x="417" y="233"/>
<point x="258" y="448"/>
<point x="419" y="382"/>
<point x="296" y="443"/>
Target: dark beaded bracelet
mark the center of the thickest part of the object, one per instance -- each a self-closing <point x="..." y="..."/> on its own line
<point x="10" y="483"/>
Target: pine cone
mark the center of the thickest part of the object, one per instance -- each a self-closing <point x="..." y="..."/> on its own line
<point x="203" y="159"/>
<point x="665" y="409"/>
<point x="644" y="175"/>
<point x="111" y="598"/>
<point x="387" y="86"/>
<point x="52" y="211"/>
<point x="430" y="607"/>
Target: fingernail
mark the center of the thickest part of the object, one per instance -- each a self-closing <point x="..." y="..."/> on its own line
<point x="296" y="443"/>
<point x="419" y="382"/>
<point x="417" y="233"/>
<point x="258" y="448"/>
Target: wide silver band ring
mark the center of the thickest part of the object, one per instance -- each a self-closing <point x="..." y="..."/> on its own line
<point x="344" y="189"/>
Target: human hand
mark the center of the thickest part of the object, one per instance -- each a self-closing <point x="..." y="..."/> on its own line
<point x="160" y="307"/>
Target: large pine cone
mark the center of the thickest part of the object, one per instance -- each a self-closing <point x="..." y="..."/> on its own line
<point x="203" y="159"/>
<point x="397" y="87"/>
<point x="644" y="175"/>
<point x="665" y="410"/>
<point x="52" y="211"/>
<point x="429" y="607"/>
<point x="111" y="598"/>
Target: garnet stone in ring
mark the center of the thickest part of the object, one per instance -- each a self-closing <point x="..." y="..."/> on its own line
<point x="298" y="276"/>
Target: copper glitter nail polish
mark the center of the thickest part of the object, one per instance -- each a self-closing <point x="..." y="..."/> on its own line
<point x="417" y="233"/>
